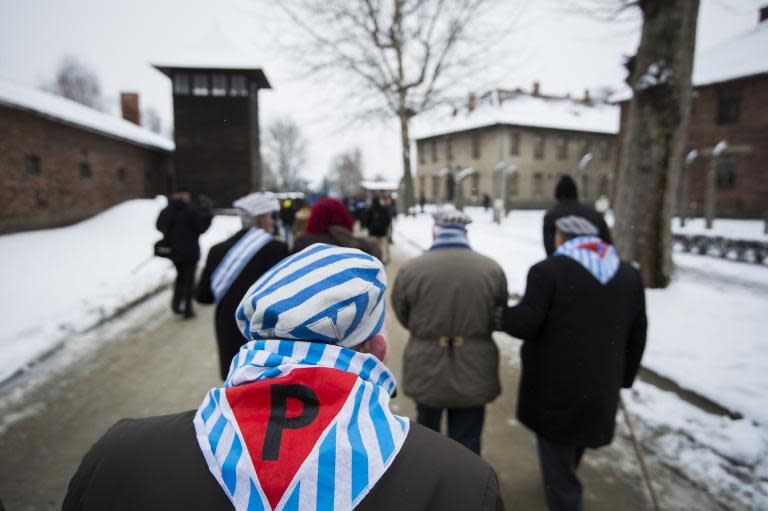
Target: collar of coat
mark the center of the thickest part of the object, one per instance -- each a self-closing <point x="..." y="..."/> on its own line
<point x="451" y="236"/>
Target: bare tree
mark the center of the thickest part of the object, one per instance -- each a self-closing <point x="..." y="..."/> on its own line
<point x="402" y="56"/>
<point x="346" y="172"/>
<point x="151" y="120"/>
<point x="655" y="134"/>
<point x="75" y="81"/>
<point x="286" y="153"/>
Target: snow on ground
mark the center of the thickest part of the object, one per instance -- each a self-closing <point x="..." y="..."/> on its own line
<point x="64" y="281"/>
<point x="706" y="333"/>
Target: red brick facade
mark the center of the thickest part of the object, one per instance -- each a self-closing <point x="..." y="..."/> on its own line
<point x="54" y="174"/>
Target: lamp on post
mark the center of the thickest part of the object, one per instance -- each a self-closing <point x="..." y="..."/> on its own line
<point x="460" y="177"/>
<point x="709" y="207"/>
<point x="686" y="188"/>
<point x="498" y="183"/>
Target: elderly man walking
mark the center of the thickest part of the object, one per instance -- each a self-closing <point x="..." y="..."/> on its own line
<point x="236" y="263"/>
<point x="583" y="323"/>
<point x="446" y="298"/>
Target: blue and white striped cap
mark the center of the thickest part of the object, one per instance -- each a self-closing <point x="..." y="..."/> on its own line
<point x="324" y="293"/>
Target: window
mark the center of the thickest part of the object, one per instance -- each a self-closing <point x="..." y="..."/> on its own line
<point x="604" y="186"/>
<point x="585" y="186"/>
<point x="122" y="173"/>
<point x="181" y="83"/>
<point x="512" y="188"/>
<point x="538" y="147"/>
<point x="562" y="148"/>
<point x="435" y="187"/>
<point x="200" y="84"/>
<point x="422" y="153"/>
<point x="604" y="148"/>
<point x="449" y="149"/>
<point x="219" y="85"/>
<point x="475" y="145"/>
<point x="514" y="143"/>
<point x="32" y="165"/>
<point x="85" y="170"/>
<point x="238" y="86"/>
<point x="422" y="189"/>
<point x="586" y="145"/>
<point x="475" y="183"/>
<point x="434" y="151"/>
<point x="728" y="106"/>
<point x="725" y="172"/>
<point x="538" y="184"/>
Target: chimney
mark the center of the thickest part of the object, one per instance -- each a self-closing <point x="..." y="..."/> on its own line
<point x="763" y="14"/>
<point x="129" y="104"/>
<point x="536" y="87"/>
<point x="471" y="102"/>
<point x="587" y="97"/>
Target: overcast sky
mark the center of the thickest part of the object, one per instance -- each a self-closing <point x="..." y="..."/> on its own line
<point x="119" y="38"/>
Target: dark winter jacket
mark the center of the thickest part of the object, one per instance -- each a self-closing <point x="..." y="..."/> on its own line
<point x="567" y="207"/>
<point x="337" y="235"/>
<point x="228" y="337"/>
<point x="583" y="342"/>
<point x="156" y="464"/>
<point x="182" y="224"/>
<point x="377" y="219"/>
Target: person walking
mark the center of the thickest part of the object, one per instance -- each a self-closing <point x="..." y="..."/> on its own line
<point x="446" y="298"/>
<point x="583" y="323"/>
<point x="236" y="263"/>
<point x="378" y="219"/>
<point x="182" y="223"/>
<point x="302" y="422"/>
<point x="567" y="196"/>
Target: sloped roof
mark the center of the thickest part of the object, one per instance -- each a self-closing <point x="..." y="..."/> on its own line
<point x="69" y="112"/>
<point x="523" y="110"/>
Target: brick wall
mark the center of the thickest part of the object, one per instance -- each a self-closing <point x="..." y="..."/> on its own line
<point x="60" y="194"/>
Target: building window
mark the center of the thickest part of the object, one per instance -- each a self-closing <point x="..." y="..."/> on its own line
<point x="449" y="149"/>
<point x="585" y="186"/>
<point x="538" y="146"/>
<point x="475" y="145"/>
<point x="562" y="148"/>
<point x="604" y="186"/>
<point x="538" y="184"/>
<point x="32" y="165"/>
<point x="434" y="151"/>
<point x="475" y="183"/>
<point x="514" y="143"/>
<point x="422" y="190"/>
<point x="42" y="199"/>
<point x="85" y="170"/>
<point x="422" y="153"/>
<point x="586" y="145"/>
<point x="725" y="172"/>
<point x="512" y="188"/>
<point x="728" y="106"/>
<point x="181" y="83"/>
<point x="122" y="173"/>
<point x="200" y="84"/>
<point x="435" y="187"/>
<point x="604" y="147"/>
<point x="219" y="85"/>
<point x="238" y="86"/>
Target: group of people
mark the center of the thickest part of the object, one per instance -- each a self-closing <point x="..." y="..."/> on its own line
<point x="303" y="421"/>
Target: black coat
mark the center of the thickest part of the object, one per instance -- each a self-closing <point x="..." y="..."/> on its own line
<point x="377" y="219"/>
<point x="182" y="224"/>
<point x="583" y="342"/>
<point x="569" y="207"/>
<point x="156" y="464"/>
<point x="228" y="337"/>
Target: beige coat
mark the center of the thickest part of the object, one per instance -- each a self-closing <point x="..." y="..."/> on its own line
<point x="445" y="298"/>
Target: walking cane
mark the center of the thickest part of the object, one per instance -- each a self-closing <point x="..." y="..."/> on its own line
<point x="640" y="457"/>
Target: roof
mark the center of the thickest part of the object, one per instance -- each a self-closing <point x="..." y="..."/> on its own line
<point x="741" y="56"/>
<point x="383" y="186"/>
<point x="72" y="113"/>
<point x="523" y="110"/>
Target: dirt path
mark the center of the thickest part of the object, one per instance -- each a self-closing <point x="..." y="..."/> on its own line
<point x="169" y="364"/>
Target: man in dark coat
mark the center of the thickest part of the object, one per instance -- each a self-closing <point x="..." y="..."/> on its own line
<point x="182" y="223"/>
<point x="303" y="421"/>
<point x="583" y="323"/>
<point x="236" y="263"/>
<point x="567" y="196"/>
<point x="377" y="220"/>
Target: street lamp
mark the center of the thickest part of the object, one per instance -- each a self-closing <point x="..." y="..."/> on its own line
<point x="459" y="182"/>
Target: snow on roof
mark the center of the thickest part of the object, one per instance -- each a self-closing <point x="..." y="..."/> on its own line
<point x="215" y="50"/>
<point x="70" y="112"/>
<point x="384" y="186"/>
<point x="741" y="56"/>
<point x="524" y="110"/>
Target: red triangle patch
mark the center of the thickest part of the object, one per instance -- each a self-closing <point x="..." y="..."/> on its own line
<point x="281" y="420"/>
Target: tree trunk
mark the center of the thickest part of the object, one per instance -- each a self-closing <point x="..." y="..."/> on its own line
<point x="408" y="199"/>
<point x="657" y="124"/>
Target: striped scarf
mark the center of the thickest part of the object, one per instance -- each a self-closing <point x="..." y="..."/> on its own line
<point x="236" y="259"/>
<point x="300" y="426"/>
<point x="450" y="236"/>
<point x="599" y="258"/>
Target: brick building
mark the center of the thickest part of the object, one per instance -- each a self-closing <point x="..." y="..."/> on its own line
<point x="729" y="107"/>
<point x="536" y="137"/>
<point x="61" y="162"/>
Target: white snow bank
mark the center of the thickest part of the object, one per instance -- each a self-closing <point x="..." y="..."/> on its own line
<point x="61" y="281"/>
<point x="726" y="228"/>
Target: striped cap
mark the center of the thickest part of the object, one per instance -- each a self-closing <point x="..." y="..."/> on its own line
<point x="576" y="226"/>
<point x="324" y="293"/>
